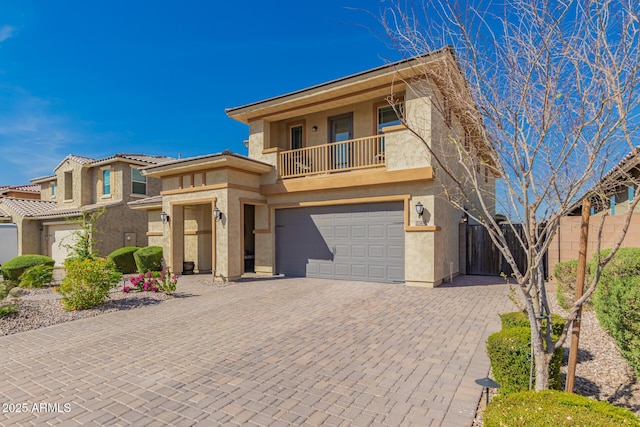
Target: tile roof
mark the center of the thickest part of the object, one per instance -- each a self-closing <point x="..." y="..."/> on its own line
<point x="41" y="179"/>
<point x="28" y="207"/>
<point x="143" y="158"/>
<point x="71" y="212"/>
<point x="31" y="188"/>
<point x="147" y="201"/>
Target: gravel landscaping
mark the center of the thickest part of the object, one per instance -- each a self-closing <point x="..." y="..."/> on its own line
<point x="602" y="373"/>
<point x="42" y="307"/>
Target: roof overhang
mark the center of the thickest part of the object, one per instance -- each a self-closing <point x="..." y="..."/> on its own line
<point x="226" y="159"/>
<point x="377" y="82"/>
<point x="43" y="179"/>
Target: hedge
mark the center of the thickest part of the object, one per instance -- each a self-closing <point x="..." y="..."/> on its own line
<point x="13" y="269"/>
<point x="554" y="408"/>
<point x="617" y="303"/>
<point x="565" y="273"/>
<point x="519" y="319"/>
<point x="148" y="259"/>
<point x="510" y="353"/>
<point x="124" y="260"/>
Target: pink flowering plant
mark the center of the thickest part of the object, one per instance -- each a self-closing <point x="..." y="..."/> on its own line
<point x="155" y="281"/>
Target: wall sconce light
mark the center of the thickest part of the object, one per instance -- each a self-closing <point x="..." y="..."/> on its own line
<point x="419" y="209"/>
<point x="165" y="217"/>
<point x="217" y="214"/>
<point x="41" y="227"/>
<point x="314" y="129"/>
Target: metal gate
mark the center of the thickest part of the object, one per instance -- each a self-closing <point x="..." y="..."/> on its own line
<point x="484" y="258"/>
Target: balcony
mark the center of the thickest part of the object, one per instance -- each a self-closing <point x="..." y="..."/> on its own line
<point x="353" y="154"/>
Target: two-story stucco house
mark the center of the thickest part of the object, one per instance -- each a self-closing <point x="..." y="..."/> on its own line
<point x="81" y="184"/>
<point x="331" y="186"/>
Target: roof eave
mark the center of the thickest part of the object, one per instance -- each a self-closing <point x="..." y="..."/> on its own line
<point x="246" y="112"/>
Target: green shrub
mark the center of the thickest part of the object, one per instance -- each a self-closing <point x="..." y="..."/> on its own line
<point x="148" y="259"/>
<point x="565" y="273"/>
<point x="36" y="276"/>
<point x="6" y="309"/>
<point x="124" y="260"/>
<point x="5" y="287"/>
<point x="519" y="319"/>
<point x="87" y="282"/>
<point x="13" y="269"/>
<point x="617" y="305"/>
<point x="554" y="409"/>
<point x="510" y="353"/>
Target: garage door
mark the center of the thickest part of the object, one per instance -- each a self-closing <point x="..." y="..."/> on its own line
<point x="59" y="237"/>
<point x="353" y="242"/>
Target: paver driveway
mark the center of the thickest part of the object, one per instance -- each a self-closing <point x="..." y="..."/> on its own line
<point x="264" y="352"/>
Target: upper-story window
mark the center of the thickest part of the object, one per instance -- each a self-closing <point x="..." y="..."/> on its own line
<point x="388" y="116"/>
<point x="296" y="135"/>
<point x="53" y="190"/>
<point x="138" y="182"/>
<point x="68" y="185"/>
<point x="106" y="182"/>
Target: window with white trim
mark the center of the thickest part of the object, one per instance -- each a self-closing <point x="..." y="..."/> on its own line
<point x="138" y="182"/>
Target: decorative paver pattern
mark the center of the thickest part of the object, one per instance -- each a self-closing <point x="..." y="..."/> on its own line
<point x="262" y="352"/>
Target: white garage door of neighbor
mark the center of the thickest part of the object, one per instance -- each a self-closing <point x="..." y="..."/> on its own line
<point x="60" y="236"/>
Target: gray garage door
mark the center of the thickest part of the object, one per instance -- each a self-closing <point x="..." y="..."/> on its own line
<point x="354" y="242"/>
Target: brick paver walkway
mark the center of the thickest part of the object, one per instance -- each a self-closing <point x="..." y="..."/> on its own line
<point x="263" y="352"/>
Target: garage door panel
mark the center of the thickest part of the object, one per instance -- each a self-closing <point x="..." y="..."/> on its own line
<point x="359" y="251"/>
<point x="376" y="231"/>
<point x="358" y="232"/>
<point x="60" y="237"/>
<point x="357" y="242"/>
<point x="342" y="232"/>
<point x="395" y="252"/>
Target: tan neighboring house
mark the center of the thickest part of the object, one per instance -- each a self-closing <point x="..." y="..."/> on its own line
<point x="329" y="189"/>
<point x="565" y="244"/>
<point x="78" y="185"/>
<point x="29" y="191"/>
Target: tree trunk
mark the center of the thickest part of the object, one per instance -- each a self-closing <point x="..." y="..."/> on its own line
<point x="542" y="362"/>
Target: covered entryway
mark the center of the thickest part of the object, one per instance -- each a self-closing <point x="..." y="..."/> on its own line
<point x="59" y="238"/>
<point x="362" y="242"/>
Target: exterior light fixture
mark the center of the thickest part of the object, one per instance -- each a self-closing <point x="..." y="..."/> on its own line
<point x="419" y="209"/>
<point x="314" y="129"/>
<point x="217" y="214"/>
<point x="487" y="383"/>
<point x="165" y="217"/>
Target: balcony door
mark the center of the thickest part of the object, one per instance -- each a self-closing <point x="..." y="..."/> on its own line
<point x="340" y="129"/>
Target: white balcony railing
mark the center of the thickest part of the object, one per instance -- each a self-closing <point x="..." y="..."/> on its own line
<point x="361" y="153"/>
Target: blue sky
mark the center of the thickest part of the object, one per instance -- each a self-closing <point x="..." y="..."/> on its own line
<point x="98" y="77"/>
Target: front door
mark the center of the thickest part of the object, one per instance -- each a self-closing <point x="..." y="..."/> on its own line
<point x="341" y="129"/>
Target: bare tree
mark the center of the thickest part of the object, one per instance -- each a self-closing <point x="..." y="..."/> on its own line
<point x="547" y="94"/>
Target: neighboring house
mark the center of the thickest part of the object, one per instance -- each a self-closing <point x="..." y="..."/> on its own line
<point x="329" y="188"/>
<point x="621" y="188"/>
<point x="78" y="185"/>
<point x="29" y="191"/>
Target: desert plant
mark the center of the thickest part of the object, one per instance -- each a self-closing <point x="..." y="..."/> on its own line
<point x="36" y="276"/>
<point x="554" y="408"/>
<point x="87" y="282"/>
<point x="148" y="259"/>
<point x="124" y="260"/>
<point x="6" y="309"/>
<point x="510" y="353"/>
<point x="15" y="267"/>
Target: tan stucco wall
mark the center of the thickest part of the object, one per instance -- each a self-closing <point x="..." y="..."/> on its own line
<point x="565" y="244"/>
<point x="116" y="224"/>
